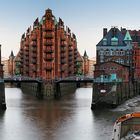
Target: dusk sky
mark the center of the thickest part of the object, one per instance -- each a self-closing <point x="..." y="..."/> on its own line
<point x="85" y="18"/>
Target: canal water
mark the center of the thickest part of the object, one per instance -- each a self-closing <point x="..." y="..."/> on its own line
<point x="69" y="118"/>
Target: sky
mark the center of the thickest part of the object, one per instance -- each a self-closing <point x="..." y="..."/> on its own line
<point x="85" y="18"/>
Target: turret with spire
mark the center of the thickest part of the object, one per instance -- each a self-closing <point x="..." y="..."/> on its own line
<point x="127" y="38"/>
<point x="11" y="63"/>
<point x="85" y="55"/>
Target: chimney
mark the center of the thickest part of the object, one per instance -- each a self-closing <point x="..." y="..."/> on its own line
<point x="104" y="32"/>
<point x="114" y="31"/>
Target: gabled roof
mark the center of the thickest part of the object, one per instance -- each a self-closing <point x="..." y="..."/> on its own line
<point x="113" y="32"/>
<point x="127" y="37"/>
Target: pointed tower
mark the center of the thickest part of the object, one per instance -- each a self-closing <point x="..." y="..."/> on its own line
<point x="127" y="38"/>
<point x="85" y="55"/>
<point x="11" y="64"/>
<point x="85" y="63"/>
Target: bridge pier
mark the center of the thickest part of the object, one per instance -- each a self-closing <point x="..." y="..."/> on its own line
<point x="2" y="95"/>
<point x="39" y="90"/>
<point x="57" y="91"/>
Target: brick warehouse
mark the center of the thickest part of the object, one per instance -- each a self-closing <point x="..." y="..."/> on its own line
<point x="118" y="55"/>
<point x="48" y="50"/>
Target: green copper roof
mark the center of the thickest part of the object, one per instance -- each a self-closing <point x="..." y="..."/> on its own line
<point x="114" y="39"/>
<point x="127" y="37"/>
<point x="41" y="21"/>
<point x="55" y="21"/>
<point x="105" y="39"/>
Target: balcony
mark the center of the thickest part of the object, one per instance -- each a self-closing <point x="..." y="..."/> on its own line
<point x="34" y="50"/>
<point x="48" y="29"/>
<point x="26" y="48"/>
<point x="26" y="43"/>
<point x="26" y="53"/>
<point x="63" y="43"/>
<point x="26" y="69"/>
<point x="34" y="38"/>
<point x="34" y="61"/>
<point x="70" y="69"/>
<point x="70" y="44"/>
<point x="48" y="67"/>
<point x="48" y="43"/>
<point x="48" y="50"/>
<point x="63" y="69"/>
<point x="70" y="49"/>
<point x="48" y="35"/>
<point x="63" y="38"/>
<point x="34" y="55"/>
<point x="33" y="43"/>
<point x="63" y="50"/>
<point x="21" y="52"/>
<point x="75" y="52"/>
<point x="63" y="61"/>
<point x="34" y="68"/>
<point x="48" y="57"/>
<point x="27" y="64"/>
<point x="70" y="54"/>
<point x="63" y="56"/>
<point x="70" y="63"/>
<point x="70" y="58"/>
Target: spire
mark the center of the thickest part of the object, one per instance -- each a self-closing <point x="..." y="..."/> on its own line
<point x="127" y="36"/>
<point x="85" y="54"/>
<point x="12" y="55"/>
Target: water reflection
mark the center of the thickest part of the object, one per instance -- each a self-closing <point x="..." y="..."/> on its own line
<point x="71" y="118"/>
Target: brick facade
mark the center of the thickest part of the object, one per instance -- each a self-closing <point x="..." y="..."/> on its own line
<point x="108" y="68"/>
<point x="48" y="50"/>
<point x="122" y="47"/>
<point x="114" y="53"/>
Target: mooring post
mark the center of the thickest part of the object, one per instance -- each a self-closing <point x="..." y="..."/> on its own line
<point x="2" y="95"/>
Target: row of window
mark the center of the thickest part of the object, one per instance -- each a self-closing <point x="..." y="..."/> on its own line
<point x="111" y="52"/>
<point x="119" y="60"/>
<point x="112" y="68"/>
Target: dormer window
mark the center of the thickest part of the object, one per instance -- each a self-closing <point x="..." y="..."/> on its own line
<point x="114" y="41"/>
<point x="104" y="41"/>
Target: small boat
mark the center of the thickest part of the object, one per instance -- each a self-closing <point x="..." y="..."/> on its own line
<point x="127" y="127"/>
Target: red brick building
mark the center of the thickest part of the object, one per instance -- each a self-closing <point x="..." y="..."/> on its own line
<point x="108" y="68"/>
<point x="11" y="64"/>
<point x="122" y="47"/>
<point x="136" y="61"/>
<point x="48" y="50"/>
<point x="85" y="64"/>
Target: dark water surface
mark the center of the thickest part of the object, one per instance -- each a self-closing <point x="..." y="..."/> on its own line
<point x="70" y="118"/>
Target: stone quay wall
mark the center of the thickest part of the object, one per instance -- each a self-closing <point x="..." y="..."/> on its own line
<point x="47" y="89"/>
<point x="2" y="95"/>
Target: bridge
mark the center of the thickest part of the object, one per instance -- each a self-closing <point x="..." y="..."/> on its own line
<point x="76" y="80"/>
<point x="18" y="81"/>
<point x="28" y="80"/>
<point x="57" y="94"/>
<point x="12" y="80"/>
